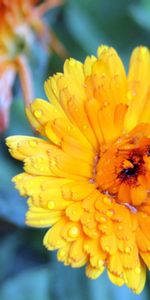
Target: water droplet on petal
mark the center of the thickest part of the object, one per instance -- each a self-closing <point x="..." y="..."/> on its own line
<point x="85" y="127"/>
<point x="69" y="128"/>
<point x="137" y="270"/>
<point x="128" y="250"/>
<point x="109" y="213"/>
<point x="88" y="221"/>
<point x="103" y="75"/>
<point x="33" y="143"/>
<point x="105" y="103"/>
<point x="120" y="227"/>
<point x="51" y="204"/>
<point x="107" y="200"/>
<point x="102" y="219"/>
<point x="129" y="95"/>
<point x="38" y="113"/>
<point x="73" y="232"/>
<point x="104" y="227"/>
<point x="53" y="163"/>
<point x="64" y="203"/>
<point x="39" y="159"/>
<point x="144" y="215"/>
<point x="61" y="253"/>
<point x="95" y="234"/>
<point x="41" y="168"/>
<point x="100" y="262"/>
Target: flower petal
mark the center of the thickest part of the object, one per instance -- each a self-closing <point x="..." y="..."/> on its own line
<point x="138" y="84"/>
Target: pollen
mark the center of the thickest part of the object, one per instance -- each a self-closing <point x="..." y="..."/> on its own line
<point x="128" y="164"/>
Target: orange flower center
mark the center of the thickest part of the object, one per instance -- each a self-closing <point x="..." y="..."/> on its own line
<point x="123" y="170"/>
<point x="132" y="167"/>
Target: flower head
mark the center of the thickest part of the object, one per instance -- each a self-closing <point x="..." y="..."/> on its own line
<point x="20" y="20"/>
<point x="89" y="179"/>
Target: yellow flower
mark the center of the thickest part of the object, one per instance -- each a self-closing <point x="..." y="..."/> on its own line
<point x="90" y="177"/>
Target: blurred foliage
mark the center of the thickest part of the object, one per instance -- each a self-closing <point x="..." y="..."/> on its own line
<point x="27" y="270"/>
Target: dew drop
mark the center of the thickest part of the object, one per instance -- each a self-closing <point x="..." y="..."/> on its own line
<point x="120" y="227"/>
<point x="64" y="204"/>
<point x="75" y="254"/>
<point x="100" y="263"/>
<point x="105" y="103"/>
<point x="104" y="227"/>
<point x="61" y="253"/>
<point x="38" y="113"/>
<point x="53" y="163"/>
<point x="102" y="219"/>
<point x="85" y="127"/>
<point x="57" y="244"/>
<point x="103" y="75"/>
<point x="39" y="160"/>
<point x="33" y="143"/>
<point x="109" y="213"/>
<point x="137" y="270"/>
<point x="51" y="204"/>
<point x="144" y="215"/>
<point x="107" y="200"/>
<point x="41" y="168"/>
<point x="73" y="231"/>
<point x="88" y="221"/>
<point x="95" y="234"/>
<point x="127" y="250"/>
<point x="69" y="128"/>
<point x="129" y="95"/>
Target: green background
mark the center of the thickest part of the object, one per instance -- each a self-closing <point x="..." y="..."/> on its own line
<point x="27" y="270"/>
